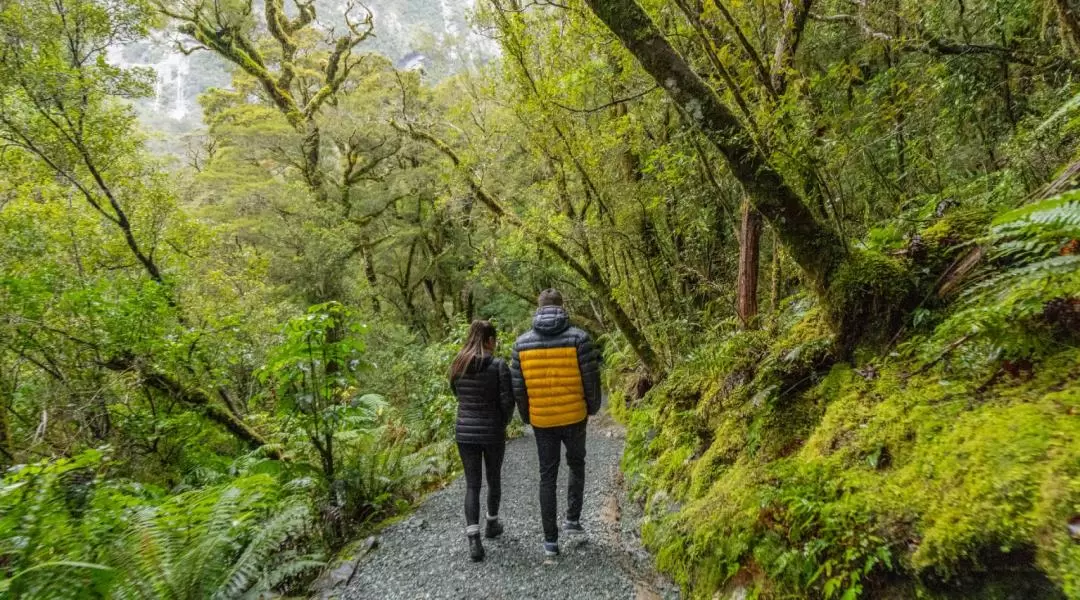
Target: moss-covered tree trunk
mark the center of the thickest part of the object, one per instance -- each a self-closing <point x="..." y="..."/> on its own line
<point x="1070" y="23"/>
<point x="749" y="250"/>
<point x="864" y="293"/>
<point x="815" y="247"/>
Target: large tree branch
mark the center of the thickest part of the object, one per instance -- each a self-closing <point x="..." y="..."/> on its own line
<point x="338" y="64"/>
<point x="196" y="398"/>
<point x="816" y="248"/>
<point x="708" y="46"/>
<point x="796" y="13"/>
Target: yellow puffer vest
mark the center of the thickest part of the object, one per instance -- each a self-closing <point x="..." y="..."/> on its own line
<point x="553" y="379"/>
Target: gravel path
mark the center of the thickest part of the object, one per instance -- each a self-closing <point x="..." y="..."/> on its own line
<point x="425" y="556"/>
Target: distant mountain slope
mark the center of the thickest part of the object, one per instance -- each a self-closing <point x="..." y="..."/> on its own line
<point x="433" y="34"/>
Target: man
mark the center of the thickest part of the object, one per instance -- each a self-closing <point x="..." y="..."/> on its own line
<point x="556" y="377"/>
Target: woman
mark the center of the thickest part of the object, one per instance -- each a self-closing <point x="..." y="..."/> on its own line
<point x="482" y="385"/>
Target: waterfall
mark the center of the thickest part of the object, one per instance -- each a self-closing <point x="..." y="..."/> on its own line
<point x="171" y="74"/>
<point x="180" y="66"/>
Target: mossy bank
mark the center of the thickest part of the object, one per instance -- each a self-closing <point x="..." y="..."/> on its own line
<point x="943" y="461"/>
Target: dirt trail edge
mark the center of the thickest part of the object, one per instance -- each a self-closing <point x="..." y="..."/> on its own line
<point x="425" y="555"/>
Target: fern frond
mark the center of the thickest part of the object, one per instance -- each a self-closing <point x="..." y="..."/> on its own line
<point x="146" y="555"/>
<point x="290" y="522"/>
<point x="289" y="569"/>
<point x="1005" y="308"/>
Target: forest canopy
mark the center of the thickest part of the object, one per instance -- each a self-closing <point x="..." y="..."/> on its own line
<point x="829" y="248"/>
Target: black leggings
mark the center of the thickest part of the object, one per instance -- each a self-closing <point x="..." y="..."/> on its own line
<point x="475" y="458"/>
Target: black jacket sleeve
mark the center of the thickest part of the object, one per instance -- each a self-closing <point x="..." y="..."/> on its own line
<point x="521" y="394"/>
<point x="589" y="364"/>
<point x="506" y="393"/>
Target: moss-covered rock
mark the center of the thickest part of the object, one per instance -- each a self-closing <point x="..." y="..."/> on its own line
<point x="868" y="297"/>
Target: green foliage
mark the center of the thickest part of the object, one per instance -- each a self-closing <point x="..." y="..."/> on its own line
<point x="913" y="469"/>
<point x="313" y="372"/>
<point x="69" y="532"/>
<point x="897" y="476"/>
<point x="50" y="517"/>
<point x="1027" y="306"/>
<point x="299" y="287"/>
<point x="868" y="298"/>
<point x="881" y="475"/>
<point x="239" y="540"/>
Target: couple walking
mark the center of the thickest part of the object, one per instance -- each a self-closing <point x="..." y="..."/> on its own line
<point x="554" y="378"/>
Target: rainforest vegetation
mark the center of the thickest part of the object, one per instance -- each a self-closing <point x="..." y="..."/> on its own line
<point x="831" y="249"/>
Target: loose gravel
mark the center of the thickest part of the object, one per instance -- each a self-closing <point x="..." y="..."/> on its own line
<point x="426" y="555"/>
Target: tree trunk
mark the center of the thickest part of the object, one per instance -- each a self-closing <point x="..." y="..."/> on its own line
<point x="774" y="293"/>
<point x="372" y="278"/>
<point x="749" y="249"/>
<point x="630" y="331"/>
<point x="1070" y="24"/>
<point x="816" y="248"/>
<point x="7" y="447"/>
<point x="468" y="304"/>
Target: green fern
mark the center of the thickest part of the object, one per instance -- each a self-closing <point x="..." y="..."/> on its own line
<point x="47" y="546"/>
<point x="225" y="542"/>
<point x="1004" y="310"/>
<point x="249" y="572"/>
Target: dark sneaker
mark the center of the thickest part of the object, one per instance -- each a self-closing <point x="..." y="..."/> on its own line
<point x="573" y="527"/>
<point x="476" y="548"/>
<point x="551" y="549"/>
<point x="494" y="528"/>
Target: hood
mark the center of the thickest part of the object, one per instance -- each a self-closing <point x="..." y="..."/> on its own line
<point x="551" y="320"/>
<point x="479" y="364"/>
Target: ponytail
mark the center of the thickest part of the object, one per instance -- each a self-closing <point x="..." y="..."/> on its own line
<point x="480" y="333"/>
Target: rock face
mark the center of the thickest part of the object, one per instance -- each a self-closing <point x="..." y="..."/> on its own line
<point x="433" y="35"/>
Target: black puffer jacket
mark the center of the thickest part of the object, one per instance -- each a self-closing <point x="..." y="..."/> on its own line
<point x="538" y="362"/>
<point x="485" y="402"/>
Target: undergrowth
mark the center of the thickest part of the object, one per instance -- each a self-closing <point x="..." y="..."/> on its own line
<point x="247" y="528"/>
<point x="944" y="464"/>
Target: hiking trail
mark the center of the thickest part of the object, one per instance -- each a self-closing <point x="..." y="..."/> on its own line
<point x="425" y="555"/>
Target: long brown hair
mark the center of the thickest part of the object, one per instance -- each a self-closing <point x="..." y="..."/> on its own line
<point x="480" y="333"/>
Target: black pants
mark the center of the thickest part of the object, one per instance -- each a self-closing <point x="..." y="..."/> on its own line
<point x="549" y="442"/>
<point x="477" y="458"/>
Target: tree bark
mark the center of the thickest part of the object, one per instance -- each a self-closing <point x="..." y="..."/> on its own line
<point x="774" y="292"/>
<point x="1070" y="23"/>
<point x="749" y="250"/>
<point x="372" y="278"/>
<point x="816" y="248"/>
<point x="7" y="447"/>
<point x="793" y="24"/>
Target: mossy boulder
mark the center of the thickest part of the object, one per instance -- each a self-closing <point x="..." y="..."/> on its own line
<point x="868" y="298"/>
